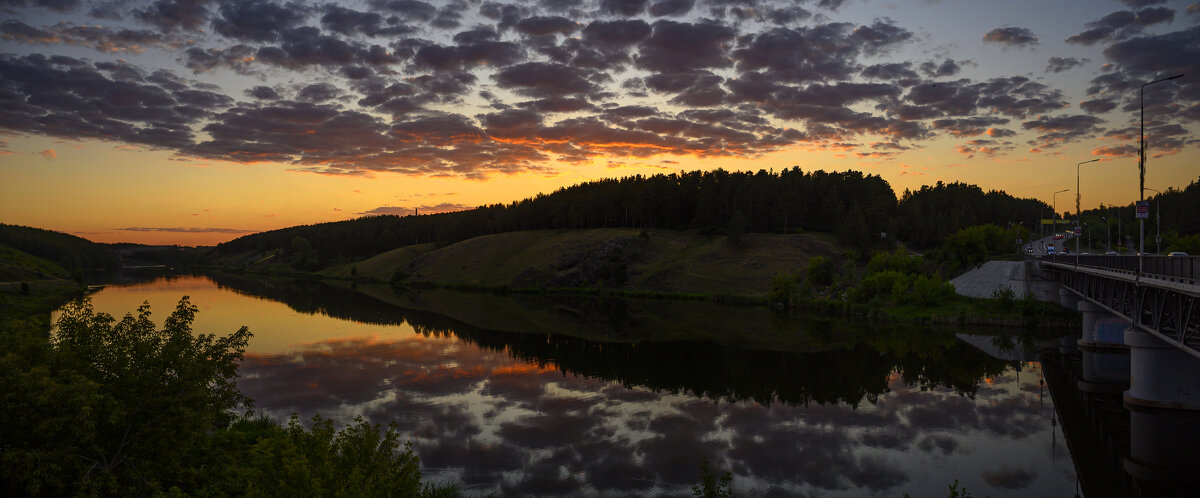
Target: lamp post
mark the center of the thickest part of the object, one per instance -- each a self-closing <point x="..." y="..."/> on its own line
<point x="1157" y="220"/>
<point x="1078" y="216"/>
<point x="1108" y="234"/>
<point x="1142" y="163"/>
<point x="1054" y="207"/>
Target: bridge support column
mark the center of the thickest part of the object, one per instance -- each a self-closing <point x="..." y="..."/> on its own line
<point x="1105" y="357"/>
<point x="1161" y="375"/>
<point x="1164" y="449"/>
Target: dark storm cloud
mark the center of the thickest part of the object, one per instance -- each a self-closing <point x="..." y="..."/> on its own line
<point x="1059" y="130"/>
<point x="674" y="47"/>
<point x="968" y="127"/>
<point x="69" y="98"/>
<point x="349" y="22"/>
<point x="169" y="15"/>
<point x="1016" y="96"/>
<point x="1060" y="64"/>
<point x="947" y="68"/>
<point x="627" y="8"/>
<point x="472" y="51"/>
<point x="1012" y="36"/>
<point x="96" y="37"/>
<point x="1098" y="106"/>
<point x="407" y="10"/>
<point x="318" y="92"/>
<point x="55" y="5"/>
<point x="543" y="26"/>
<point x="663" y="8"/>
<point x="901" y="72"/>
<point x="1121" y="25"/>
<point x="540" y="79"/>
<point x="257" y="20"/>
<point x="824" y="52"/>
<point x="237" y="58"/>
<point x="262" y="93"/>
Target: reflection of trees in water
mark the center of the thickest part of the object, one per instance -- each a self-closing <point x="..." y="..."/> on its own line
<point x="855" y="364"/>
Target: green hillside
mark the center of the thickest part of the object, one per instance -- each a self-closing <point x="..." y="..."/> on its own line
<point x="19" y="266"/>
<point x="382" y="266"/>
<point x="69" y="251"/>
<point x="659" y="261"/>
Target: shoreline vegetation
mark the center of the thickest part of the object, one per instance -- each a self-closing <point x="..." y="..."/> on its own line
<point x="797" y="273"/>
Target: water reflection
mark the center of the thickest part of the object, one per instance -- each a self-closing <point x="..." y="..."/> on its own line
<point x="616" y="407"/>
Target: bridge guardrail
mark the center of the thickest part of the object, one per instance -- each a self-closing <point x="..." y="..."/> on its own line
<point x="1174" y="268"/>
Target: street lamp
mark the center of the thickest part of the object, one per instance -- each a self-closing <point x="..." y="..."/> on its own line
<point x="1054" y="207"/>
<point x="1142" y="163"/>
<point x="1078" y="216"/>
<point x="1157" y="220"/>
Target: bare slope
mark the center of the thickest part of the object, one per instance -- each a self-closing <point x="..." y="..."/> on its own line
<point x="660" y="260"/>
<point x="381" y="266"/>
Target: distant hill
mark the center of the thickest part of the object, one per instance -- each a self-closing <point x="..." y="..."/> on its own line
<point x="659" y="260"/>
<point x="854" y="206"/>
<point x="68" y="251"/>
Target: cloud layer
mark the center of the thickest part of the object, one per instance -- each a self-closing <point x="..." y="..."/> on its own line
<point x="472" y="89"/>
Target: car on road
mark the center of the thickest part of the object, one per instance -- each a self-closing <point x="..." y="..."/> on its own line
<point x="1058" y="236"/>
<point x="1176" y="254"/>
<point x="1111" y="253"/>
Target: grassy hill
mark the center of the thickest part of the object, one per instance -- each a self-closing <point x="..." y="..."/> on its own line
<point x="382" y="266"/>
<point x="658" y="261"/>
<point x="20" y="266"/>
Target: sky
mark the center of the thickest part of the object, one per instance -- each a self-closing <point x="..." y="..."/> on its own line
<point x="194" y="122"/>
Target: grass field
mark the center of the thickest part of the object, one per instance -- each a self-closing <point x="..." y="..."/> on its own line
<point x="667" y="261"/>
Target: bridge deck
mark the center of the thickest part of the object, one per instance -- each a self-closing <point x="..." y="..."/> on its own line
<point x="1163" y="299"/>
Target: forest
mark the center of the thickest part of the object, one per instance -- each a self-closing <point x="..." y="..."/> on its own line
<point x="862" y="210"/>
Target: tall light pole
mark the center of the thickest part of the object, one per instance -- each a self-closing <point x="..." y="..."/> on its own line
<point x="1054" y="207"/>
<point x="1142" y="163"/>
<point x="1078" y="216"/>
<point x="1157" y="220"/>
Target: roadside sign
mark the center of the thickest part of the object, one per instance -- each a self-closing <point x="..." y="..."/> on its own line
<point x="1078" y="231"/>
<point x="1143" y="209"/>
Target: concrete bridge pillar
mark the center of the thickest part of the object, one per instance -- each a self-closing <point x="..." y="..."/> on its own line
<point x="1164" y="448"/>
<point x="1105" y="357"/>
<point x="1161" y="375"/>
<point x="1068" y="299"/>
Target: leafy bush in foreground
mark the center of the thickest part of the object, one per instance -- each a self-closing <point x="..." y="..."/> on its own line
<point x="120" y="408"/>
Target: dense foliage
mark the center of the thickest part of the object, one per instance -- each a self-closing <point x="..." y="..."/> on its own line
<point x="73" y="253"/>
<point x="119" y="408"/>
<point x="1116" y="227"/>
<point x="861" y="209"/>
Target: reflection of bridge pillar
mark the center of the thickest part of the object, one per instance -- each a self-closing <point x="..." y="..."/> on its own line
<point x="1105" y="357"/>
<point x="1068" y="300"/>
<point x="1161" y="375"/>
<point x="1164" y="448"/>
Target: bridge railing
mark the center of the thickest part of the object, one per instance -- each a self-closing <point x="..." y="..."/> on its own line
<point x="1175" y="268"/>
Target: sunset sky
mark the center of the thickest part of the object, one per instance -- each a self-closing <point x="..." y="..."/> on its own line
<point x="197" y="121"/>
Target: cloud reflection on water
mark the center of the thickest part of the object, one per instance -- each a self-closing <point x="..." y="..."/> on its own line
<point x="495" y="423"/>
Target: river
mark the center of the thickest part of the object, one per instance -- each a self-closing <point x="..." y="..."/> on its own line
<point x="532" y="395"/>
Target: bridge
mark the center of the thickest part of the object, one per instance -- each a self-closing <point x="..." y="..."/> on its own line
<point x="1156" y="294"/>
<point x="1137" y="365"/>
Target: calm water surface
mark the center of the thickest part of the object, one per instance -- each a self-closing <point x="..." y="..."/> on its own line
<point x="602" y="397"/>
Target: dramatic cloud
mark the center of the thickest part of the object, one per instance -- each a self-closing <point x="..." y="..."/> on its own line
<point x="1121" y="25"/>
<point x="471" y="89"/>
<point x="1060" y="64"/>
<point x="1011" y="36"/>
